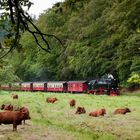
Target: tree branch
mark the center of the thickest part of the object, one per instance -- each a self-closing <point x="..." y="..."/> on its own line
<point x="19" y="19"/>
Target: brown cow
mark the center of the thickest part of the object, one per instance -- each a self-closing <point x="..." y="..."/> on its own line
<point x="121" y="111"/>
<point x="72" y="103"/>
<point x="7" y="107"/>
<point x="14" y="96"/>
<point x="51" y="99"/>
<point x="13" y="117"/>
<point x="98" y="112"/>
<point x="25" y="110"/>
<point x="80" y="110"/>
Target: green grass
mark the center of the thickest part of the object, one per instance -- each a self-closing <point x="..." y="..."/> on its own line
<point x="61" y="119"/>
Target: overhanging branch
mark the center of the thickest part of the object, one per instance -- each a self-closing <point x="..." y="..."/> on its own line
<point x="20" y="18"/>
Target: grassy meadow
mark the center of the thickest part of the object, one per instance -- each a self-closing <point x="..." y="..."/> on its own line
<point x="59" y="122"/>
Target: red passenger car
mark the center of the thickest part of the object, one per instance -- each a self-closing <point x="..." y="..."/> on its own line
<point x="39" y="86"/>
<point x="77" y="86"/>
<point x="57" y="86"/>
<point x="27" y="86"/>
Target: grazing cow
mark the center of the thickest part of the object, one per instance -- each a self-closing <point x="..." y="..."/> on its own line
<point x="51" y="99"/>
<point x="26" y="111"/>
<point x="7" y="107"/>
<point x="13" y="117"/>
<point x="98" y="112"/>
<point x="121" y="111"/>
<point x="14" y="96"/>
<point x="80" y="110"/>
<point x="72" y="103"/>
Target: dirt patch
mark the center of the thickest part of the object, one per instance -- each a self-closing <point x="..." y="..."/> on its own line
<point x="33" y="132"/>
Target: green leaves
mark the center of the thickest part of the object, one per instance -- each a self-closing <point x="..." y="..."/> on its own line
<point x="7" y="75"/>
<point x="99" y="37"/>
<point x="135" y="78"/>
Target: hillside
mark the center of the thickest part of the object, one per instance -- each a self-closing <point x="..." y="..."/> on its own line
<point x="98" y="37"/>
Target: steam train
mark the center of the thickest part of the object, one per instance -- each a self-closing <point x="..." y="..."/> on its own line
<point x="104" y="85"/>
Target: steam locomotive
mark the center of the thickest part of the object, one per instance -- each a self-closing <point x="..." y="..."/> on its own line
<point x="104" y="85"/>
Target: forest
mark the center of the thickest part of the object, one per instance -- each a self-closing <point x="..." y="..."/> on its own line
<point x="98" y="37"/>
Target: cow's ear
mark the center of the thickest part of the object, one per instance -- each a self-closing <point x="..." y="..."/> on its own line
<point x="21" y="110"/>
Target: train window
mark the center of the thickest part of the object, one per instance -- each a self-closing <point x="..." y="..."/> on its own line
<point x="102" y="82"/>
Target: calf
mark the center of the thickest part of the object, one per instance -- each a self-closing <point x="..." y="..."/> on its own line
<point x="97" y="113"/>
<point x="26" y="111"/>
<point x="51" y="99"/>
<point x="14" y="96"/>
<point x="13" y="117"/>
<point x="7" y="107"/>
<point x="80" y="110"/>
<point x="121" y="111"/>
<point x="72" y="103"/>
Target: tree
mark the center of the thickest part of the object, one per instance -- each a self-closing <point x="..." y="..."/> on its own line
<point x="18" y="20"/>
<point x="135" y="78"/>
<point x="7" y="75"/>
